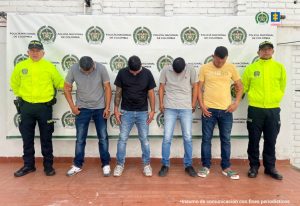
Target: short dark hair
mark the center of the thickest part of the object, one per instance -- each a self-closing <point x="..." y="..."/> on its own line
<point x="178" y="64"/>
<point x="134" y="63"/>
<point x="86" y="63"/>
<point x="221" y="52"/>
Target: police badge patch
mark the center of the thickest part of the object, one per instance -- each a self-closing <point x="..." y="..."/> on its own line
<point x="256" y="73"/>
<point x="25" y="71"/>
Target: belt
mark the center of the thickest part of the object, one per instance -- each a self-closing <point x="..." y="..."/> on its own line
<point x="39" y="103"/>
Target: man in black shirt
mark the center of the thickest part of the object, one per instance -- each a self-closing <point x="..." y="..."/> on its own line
<point x="134" y="85"/>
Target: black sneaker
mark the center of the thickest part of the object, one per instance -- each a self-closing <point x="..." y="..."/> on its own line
<point x="163" y="171"/>
<point x="49" y="171"/>
<point x="190" y="170"/>
<point x="24" y="171"/>
<point x="252" y="173"/>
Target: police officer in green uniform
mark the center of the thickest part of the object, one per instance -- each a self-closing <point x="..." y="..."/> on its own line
<point x="265" y="82"/>
<point x="34" y="81"/>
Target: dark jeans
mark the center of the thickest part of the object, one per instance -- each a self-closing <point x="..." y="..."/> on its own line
<point x="82" y="122"/>
<point x="42" y="114"/>
<point x="224" y="120"/>
<point x="266" y="121"/>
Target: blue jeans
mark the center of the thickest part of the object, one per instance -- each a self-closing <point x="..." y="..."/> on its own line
<point x="224" y="120"/>
<point x="128" y="119"/>
<point x="82" y="122"/>
<point x="185" y="118"/>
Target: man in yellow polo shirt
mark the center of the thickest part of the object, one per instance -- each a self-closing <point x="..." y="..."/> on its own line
<point x="34" y="81"/>
<point x="265" y="82"/>
<point x="215" y="80"/>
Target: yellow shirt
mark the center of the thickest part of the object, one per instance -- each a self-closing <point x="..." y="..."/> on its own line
<point x="35" y="81"/>
<point x="216" y="83"/>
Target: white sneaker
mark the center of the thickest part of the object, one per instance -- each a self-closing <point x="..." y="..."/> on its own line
<point x="147" y="170"/>
<point x="203" y="172"/>
<point x="106" y="170"/>
<point x="118" y="171"/>
<point x="74" y="170"/>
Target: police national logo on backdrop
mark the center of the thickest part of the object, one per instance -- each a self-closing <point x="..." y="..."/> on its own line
<point x="255" y="59"/>
<point x="142" y="36"/>
<point x="94" y="35"/>
<point x="117" y="62"/>
<point x="113" y="121"/>
<point x="19" y="58"/>
<point x="68" y="120"/>
<point x="68" y="61"/>
<point x="208" y="59"/>
<point x="164" y="61"/>
<point x="262" y="18"/>
<point x="237" y="35"/>
<point x="46" y="34"/>
<point x="160" y="120"/>
<point x="189" y="36"/>
<point x="17" y="119"/>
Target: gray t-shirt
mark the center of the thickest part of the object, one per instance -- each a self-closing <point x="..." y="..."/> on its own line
<point x="90" y="91"/>
<point x="178" y="87"/>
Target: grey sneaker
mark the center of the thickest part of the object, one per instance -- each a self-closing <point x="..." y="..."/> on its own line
<point x="106" y="170"/>
<point x="147" y="170"/>
<point x="203" y="172"/>
<point x="74" y="170"/>
<point x="118" y="170"/>
<point x="234" y="175"/>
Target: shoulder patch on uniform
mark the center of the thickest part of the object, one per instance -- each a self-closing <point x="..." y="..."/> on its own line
<point x="256" y="73"/>
<point x="25" y="71"/>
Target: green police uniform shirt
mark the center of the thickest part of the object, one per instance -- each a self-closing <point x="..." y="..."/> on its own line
<point x="34" y="82"/>
<point x="265" y="82"/>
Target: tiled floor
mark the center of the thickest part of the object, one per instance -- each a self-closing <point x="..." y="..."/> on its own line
<point x="90" y="188"/>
